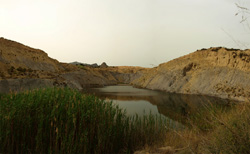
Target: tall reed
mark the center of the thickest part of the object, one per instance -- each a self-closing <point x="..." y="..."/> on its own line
<point x="58" y="120"/>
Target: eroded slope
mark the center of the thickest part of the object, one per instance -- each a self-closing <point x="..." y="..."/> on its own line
<point x="23" y="67"/>
<point x="217" y="72"/>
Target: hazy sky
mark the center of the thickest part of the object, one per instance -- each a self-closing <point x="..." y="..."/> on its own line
<point x="123" y="32"/>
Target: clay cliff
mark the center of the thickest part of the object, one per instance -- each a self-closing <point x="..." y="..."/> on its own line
<point x="23" y="67"/>
<point x="219" y="72"/>
<point x="20" y="61"/>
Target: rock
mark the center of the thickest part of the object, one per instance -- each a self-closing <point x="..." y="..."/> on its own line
<point x="78" y="63"/>
<point x="103" y="65"/>
<point x="95" y="65"/>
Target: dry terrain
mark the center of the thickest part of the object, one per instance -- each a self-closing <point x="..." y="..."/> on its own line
<point x="219" y="72"/>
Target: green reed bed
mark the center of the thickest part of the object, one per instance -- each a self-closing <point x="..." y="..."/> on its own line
<point x="58" y="120"/>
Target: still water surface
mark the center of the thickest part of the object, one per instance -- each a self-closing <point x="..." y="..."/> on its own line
<point x="177" y="107"/>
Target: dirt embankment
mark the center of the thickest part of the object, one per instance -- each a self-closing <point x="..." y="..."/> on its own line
<point x="23" y="67"/>
<point x="217" y="72"/>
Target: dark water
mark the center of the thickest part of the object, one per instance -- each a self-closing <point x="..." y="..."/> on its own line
<point x="177" y="107"/>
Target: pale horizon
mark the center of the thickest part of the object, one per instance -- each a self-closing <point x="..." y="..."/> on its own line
<point x="123" y="33"/>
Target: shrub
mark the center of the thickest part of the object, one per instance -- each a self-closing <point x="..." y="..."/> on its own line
<point x="20" y="69"/>
<point x="11" y="70"/>
<point x="82" y="67"/>
<point x="232" y="134"/>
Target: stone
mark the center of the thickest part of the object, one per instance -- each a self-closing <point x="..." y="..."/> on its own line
<point x="103" y="65"/>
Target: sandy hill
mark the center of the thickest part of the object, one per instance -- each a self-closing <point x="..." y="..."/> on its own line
<point x="217" y="72"/>
<point x="20" y="61"/>
<point x="23" y="67"/>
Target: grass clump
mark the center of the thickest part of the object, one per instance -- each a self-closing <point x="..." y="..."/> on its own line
<point x="66" y="121"/>
<point x="217" y="131"/>
<point x="82" y="67"/>
<point x="232" y="132"/>
<point x="214" y="130"/>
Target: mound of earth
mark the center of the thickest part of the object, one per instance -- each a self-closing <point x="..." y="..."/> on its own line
<point x="219" y="72"/>
<point x="20" y="61"/>
<point x="23" y="67"/>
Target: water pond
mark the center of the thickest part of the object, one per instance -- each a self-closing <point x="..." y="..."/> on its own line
<point x="177" y="107"/>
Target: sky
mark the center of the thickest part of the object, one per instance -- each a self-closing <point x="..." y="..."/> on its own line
<point x="123" y="32"/>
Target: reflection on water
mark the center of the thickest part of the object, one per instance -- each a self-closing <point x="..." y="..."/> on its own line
<point x="178" y="107"/>
<point x="134" y="100"/>
<point x="137" y="107"/>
